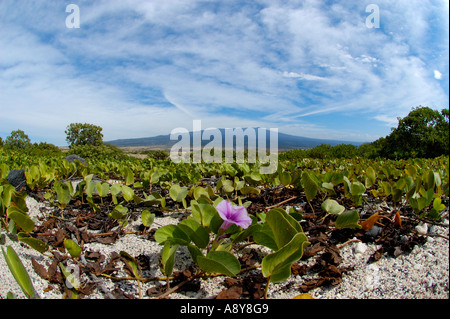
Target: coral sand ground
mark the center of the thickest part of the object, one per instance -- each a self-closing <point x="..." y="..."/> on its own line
<point x="388" y="262"/>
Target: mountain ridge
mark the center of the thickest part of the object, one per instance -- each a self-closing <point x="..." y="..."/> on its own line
<point x="285" y="141"/>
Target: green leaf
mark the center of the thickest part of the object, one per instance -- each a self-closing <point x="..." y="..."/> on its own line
<point x="219" y="262"/>
<point x="37" y="244"/>
<point x="62" y="194"/>
<point x="90" y="188"/>
<point x="285" y="178"/>
<point x="200" y="191"/>
<point x="19" y="272"/>
<point x="147" y="218"/>
<point x="309" y="185"/>
<point x="277" y="265"/>
<point x="332" y="207"/>
<point x="194" y="251"/>
<point x="20" y="218"/>
<point x="357" y="188"/>
<point x="198" y="234"/>
<point x="128" y="193"/>
<point x="203" y="212"/>
<point x="227" y="186"/>
<point x="116" y="189"/>
<point x="265" y="237"/>
<point x="131" y="264"/>
<point x="284" y="227"/>
<point x="250" y="190"/>
<point x="178" y="193"/>
<point x="7" y="194"/>
<point x="430" y="180"/>
<point x="168" y="258"/>
<point x="329" y="188"/>
<point x="348" y="219"/>
<point x="434" y="214"/>
<point x="238" y="184"/>
<point x="102" y="189"/>
<point x="154" y="199"/>
<point x="253" y="178"/>
<point x="244" y="234"/>
<point x="72" y="247"/>
<point x="425" y="199"/>
<point x="119" y="212"/>
<point x="173" y="234"/>
<point x="370" y="177"/>
<point x="129" y="176"/>
<point x="437" y="205"/>
<point x="396" y="195"/>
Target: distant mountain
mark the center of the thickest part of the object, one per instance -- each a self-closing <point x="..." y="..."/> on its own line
<point x="285" y="141"/>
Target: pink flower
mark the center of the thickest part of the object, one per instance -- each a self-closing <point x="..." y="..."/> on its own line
<point x="232" y="214"/>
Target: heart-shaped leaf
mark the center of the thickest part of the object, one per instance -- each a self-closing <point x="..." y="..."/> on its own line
<point x="332" y="207"/>
<point x="219" y="262"/>
<point x="128" y="193"/>
<point x="198" y="234"/>
<point x="309" y="185"/>
<point x="62" y="194"/>
<point x="284" y="227"/>
<point x="348" y="219"/>
<point x="203" y="212"/>
<point x="437" y="204"/>
<point x="102" y="189"/>
<point x="357" y="188"/>
<point x="172" y="234"/>
<point x="178" y="193"/>
<point x="277" y="265"/>
<point x="147" y="218"/>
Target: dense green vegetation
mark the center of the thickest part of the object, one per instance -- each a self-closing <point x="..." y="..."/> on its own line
<point x="331" y="181"/>
<point x="423" y="133"/>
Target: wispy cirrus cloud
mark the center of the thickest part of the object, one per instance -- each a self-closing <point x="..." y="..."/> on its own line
<point x="141" y="68"/>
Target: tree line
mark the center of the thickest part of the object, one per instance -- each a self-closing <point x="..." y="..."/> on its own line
<point x="423" y="133"/>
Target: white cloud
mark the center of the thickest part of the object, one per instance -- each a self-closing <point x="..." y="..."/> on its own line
<point x="437" y="75"/>
<point x="141" y="68"/>
<point x="302" y="76"/>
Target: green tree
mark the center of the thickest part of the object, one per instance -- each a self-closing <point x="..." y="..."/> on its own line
<point x="372" y="150"/>
<point x="18" y="140"/>
<point x="344" y="151"/>
<point x="321" y="151"/>
<point x="84" y="134"/>
<point x="44" y="149"/>
<point x="424" y="132"/>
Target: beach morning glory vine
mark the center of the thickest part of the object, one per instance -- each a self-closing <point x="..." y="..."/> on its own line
<point x="214" y="230"/>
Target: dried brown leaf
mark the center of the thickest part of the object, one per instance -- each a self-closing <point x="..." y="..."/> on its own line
<point x="397" y="220"/>
<point x="369" y="222"/>
<point x="234" y="292"/>
<point x="39" y="269"/>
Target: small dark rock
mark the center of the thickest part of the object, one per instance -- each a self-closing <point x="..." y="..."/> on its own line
<point x="72" y="158"/>
<point x="16" y="178"/>
<point x="374" y="231"/>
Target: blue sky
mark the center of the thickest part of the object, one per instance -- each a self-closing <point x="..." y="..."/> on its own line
<point x="143" y="68"/>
